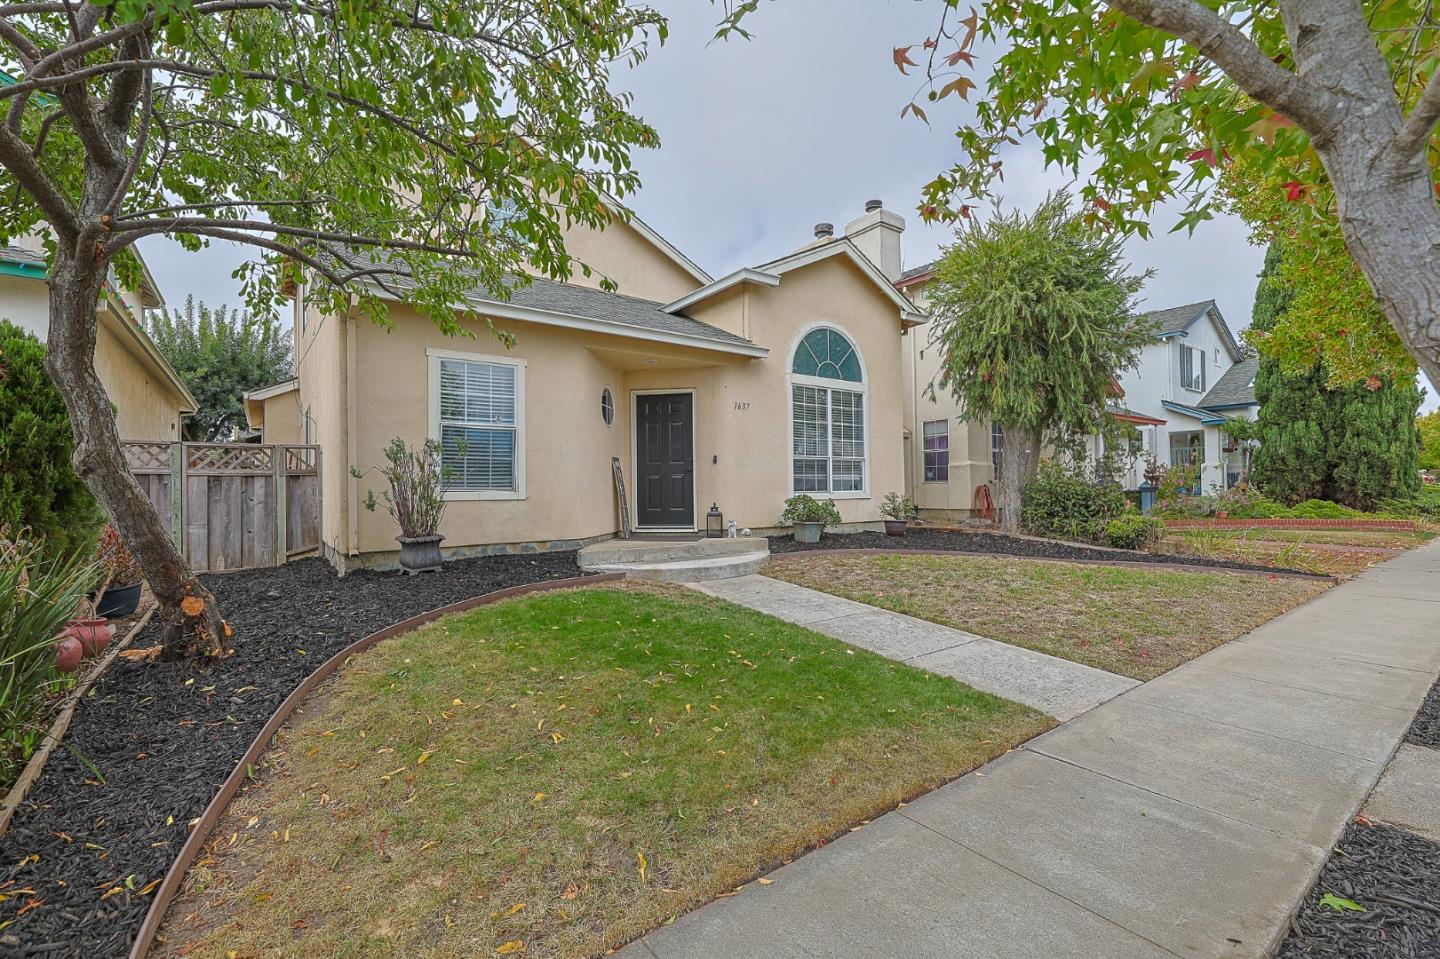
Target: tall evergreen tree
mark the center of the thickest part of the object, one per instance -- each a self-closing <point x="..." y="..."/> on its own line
<point x="220" y="354"/>
<point x="1354" y="445"/>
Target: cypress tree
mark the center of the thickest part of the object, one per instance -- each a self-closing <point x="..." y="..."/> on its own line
<point x="1354" y="445"/>
<point x="1291" y="462"/>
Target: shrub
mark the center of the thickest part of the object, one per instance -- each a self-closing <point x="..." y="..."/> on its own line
<point x="807" y="509"/>
<point x="897" y="507"/>
<point x="1059" y="504"/>
<point x="1134" y="531"/>
<point x="416" y="498"/>
<point x="39" y="592"/>
<point x="39" y="492"/>
<point x="1321" y="509"/>
<point x="1247" y="503"/>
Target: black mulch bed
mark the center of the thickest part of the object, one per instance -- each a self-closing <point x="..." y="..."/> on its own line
<point x="999" y="543"/>
<point x="1425" y="730"/>
<point x="153" y="742"/>
<point x="1395" y="876"/>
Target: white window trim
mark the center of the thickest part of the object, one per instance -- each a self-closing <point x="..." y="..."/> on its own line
<point x="825" y="383"/>
<point x="435" y="355"/>
<point x="1199" y="357"/>
<point x="923" y="437"/>
<point x="694" y="454"/>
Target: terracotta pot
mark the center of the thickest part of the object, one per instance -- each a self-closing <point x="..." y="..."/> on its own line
<point x="420" y="554"/>
<point x="92" y="634"/>
<point x="68" y="653"/>
<point x="894" y="527"/>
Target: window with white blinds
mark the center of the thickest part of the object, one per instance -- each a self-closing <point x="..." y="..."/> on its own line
<point x="477" y="418"/>
<point x="827" y="423"/>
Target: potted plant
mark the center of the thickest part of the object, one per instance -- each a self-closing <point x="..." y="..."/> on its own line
<point x="119" y="593"/>
<point x="897" y="510"/>
<point x="415" y="500"/>
<point x="809" y="516"/>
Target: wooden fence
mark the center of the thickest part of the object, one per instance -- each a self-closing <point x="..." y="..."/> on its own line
<point x="232" y="505"/>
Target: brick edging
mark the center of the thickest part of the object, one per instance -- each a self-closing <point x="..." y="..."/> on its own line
<point x="1281" y="523"/>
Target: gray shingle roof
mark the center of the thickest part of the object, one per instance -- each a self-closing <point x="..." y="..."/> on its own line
<point x="1177" y="318"/>
<point x="918" y="270"/>
<point x="1236" y="387"/>
<point x="575" y="300"/>
<point x="583" y="301"/>
<point x="14" y="254"/>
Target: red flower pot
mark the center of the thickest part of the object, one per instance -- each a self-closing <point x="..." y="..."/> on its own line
<point x="68" y="653"/>
<point x="93" y="634"/>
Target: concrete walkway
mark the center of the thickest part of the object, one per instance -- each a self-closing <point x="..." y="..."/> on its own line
<point x="1185" y="817"/>
<point x="1053" y="685"/>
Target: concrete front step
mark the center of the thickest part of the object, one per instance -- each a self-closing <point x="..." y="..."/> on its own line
<point x="614" y="551"/>
<point x="705" y="570"/>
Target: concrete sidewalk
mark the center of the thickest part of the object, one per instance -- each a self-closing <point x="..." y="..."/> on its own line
<point x="1052" y="685"/>
<point x="1184" y="818"/>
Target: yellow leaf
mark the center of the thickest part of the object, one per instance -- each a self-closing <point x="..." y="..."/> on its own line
<point x="456" y="702"/>
<point x="644" y="863"/>
<point x="511" y="948"/>
<point x="557" y="738"/>
<point x="764" y="882"/>
<point x="425" y="756"/>
<point x="538" y="797"/>
<point x="514" y="909"/>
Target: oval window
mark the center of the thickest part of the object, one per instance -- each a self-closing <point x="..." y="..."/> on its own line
<point x="607" y="406"/>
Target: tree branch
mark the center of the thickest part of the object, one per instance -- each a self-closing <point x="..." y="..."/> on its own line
<point x="1414" y="135"/>
<point x="184" y="224"/>
<point x="1244" y="62"/>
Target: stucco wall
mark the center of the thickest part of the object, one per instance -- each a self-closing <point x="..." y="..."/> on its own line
<point x="147" y="404"/>
<point x="282" y="418"/>
<point x="742" y="412"/>
<point x="632" y="261"/>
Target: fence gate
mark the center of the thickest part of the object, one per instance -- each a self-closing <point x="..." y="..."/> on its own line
<point x="232" y="505"/>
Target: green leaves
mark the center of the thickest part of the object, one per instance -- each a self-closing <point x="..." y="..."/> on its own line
<point x="1033" y="318"/>
<point x="1340" y="904"/>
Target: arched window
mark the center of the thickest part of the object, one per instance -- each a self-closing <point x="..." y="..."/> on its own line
<point x="827" y="404"/>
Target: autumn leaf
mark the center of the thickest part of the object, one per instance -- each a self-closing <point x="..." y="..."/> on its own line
<point x="912" y="108"/>
<point x="643" y="863"/>
<point x="1207" y="155"/>
<point x="902" y="59"/>
<point x="958" y="56"/>
<point x="960" y="85"/>
<point x="512" y="948"/>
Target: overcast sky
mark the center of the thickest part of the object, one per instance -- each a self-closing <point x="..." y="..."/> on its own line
<point x="764" y="138"/>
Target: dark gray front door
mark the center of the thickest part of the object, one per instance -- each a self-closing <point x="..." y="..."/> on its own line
<point x="664" y="460"/>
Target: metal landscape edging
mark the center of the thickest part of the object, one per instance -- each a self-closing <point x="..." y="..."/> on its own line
<point x="175" y="875"/>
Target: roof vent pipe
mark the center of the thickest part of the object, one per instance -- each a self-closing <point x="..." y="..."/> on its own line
<point x="872" y="205"/>
<point x="824" y="231"/>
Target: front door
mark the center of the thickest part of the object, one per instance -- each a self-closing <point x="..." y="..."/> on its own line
<point x="665" y="460"/>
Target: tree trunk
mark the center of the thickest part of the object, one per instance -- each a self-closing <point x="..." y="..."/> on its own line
<point x="1019" y="460"/>
<point x="188" y="608"/>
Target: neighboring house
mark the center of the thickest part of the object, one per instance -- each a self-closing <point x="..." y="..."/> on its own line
<point x="783" y="377"/>
<point x="149" y="397"/>
<point x="273" y="415"/>
<point x="1185" y="384"/>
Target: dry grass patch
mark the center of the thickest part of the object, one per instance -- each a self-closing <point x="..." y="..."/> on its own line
<point x="1342" y="553"/>
<point x="558" y="774"/>
<point x="1135" y="622"/>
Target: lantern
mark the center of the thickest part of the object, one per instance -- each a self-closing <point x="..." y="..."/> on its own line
<point x="714" y="522"/>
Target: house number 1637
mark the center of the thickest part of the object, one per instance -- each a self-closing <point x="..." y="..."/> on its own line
<point x="741" y="405"/>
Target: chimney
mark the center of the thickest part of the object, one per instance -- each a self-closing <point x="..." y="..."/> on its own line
<point x="877" y="234"/>
<point x="824" y="231"/>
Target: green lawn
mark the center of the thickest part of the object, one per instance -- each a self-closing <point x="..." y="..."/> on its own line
<point x="566" y="771"/>
<point x="1135" y="622"/>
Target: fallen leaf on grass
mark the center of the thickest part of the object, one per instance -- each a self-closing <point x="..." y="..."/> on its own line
<point x="644" y="863"/>
<point x="511" y="948"/>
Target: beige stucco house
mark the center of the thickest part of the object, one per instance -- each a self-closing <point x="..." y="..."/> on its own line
<point x="149" y="397"/>
<point x="273" y="413"/>
<point x="738" y="392"/>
